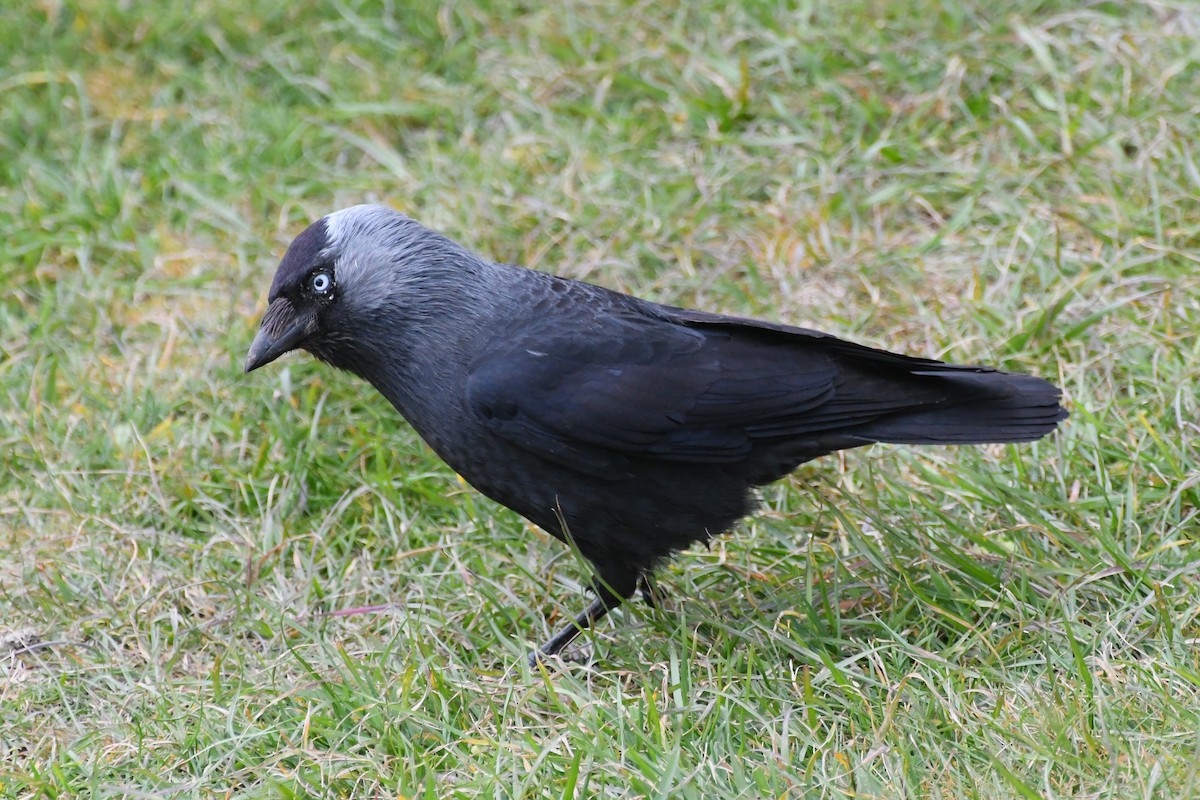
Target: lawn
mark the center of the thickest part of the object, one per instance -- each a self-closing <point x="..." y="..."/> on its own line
<point x="219" y="585"/>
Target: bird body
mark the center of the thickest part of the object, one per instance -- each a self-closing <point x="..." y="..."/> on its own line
<point x="629" y="428"/>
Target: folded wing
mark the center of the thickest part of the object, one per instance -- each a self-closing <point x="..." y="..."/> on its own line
<point x="687" y="386"/>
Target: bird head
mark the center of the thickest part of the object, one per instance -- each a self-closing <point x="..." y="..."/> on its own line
<point x="350" y="284"/>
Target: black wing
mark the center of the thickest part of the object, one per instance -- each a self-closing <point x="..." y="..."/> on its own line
<point x="660" y="388"/>
<point x="678" y="385"/>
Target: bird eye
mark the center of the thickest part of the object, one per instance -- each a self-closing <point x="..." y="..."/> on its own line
<point x="320" y="282"/>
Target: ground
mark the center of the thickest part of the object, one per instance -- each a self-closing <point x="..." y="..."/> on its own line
<point x="220" y="585"/>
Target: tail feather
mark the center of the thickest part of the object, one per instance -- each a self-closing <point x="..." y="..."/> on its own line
<point x="979" y="407"/>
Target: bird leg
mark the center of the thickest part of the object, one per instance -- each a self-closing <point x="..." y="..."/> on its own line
<point x="595" y="612"/>
<point x="607" y="600"/>
<point x="652" y="594"/>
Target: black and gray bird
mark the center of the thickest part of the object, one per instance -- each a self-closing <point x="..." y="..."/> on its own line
<point x="628" y="428"/>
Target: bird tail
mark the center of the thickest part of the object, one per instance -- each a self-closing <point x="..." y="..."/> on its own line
<point x="977" y="406"/>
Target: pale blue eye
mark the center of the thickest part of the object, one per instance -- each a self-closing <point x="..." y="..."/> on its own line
<point x="321" y="282"/>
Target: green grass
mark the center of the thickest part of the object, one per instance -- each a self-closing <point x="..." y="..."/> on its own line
<point x="1013" y="183"/>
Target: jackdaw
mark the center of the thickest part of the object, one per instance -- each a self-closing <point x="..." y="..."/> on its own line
<point x="627" y="428"/>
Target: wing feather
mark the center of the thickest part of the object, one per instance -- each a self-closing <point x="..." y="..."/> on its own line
<point x="679" y="394"/>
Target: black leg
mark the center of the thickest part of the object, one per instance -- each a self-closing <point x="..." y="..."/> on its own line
<point x="591" y="615"/>
<point x="652" y="593"/>
<point x="615" y="583"/>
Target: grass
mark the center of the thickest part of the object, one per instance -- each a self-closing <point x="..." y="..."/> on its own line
<point x="184" y="549"/>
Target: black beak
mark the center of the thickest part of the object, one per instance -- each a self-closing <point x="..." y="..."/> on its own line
<point x="281" y="331"/>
